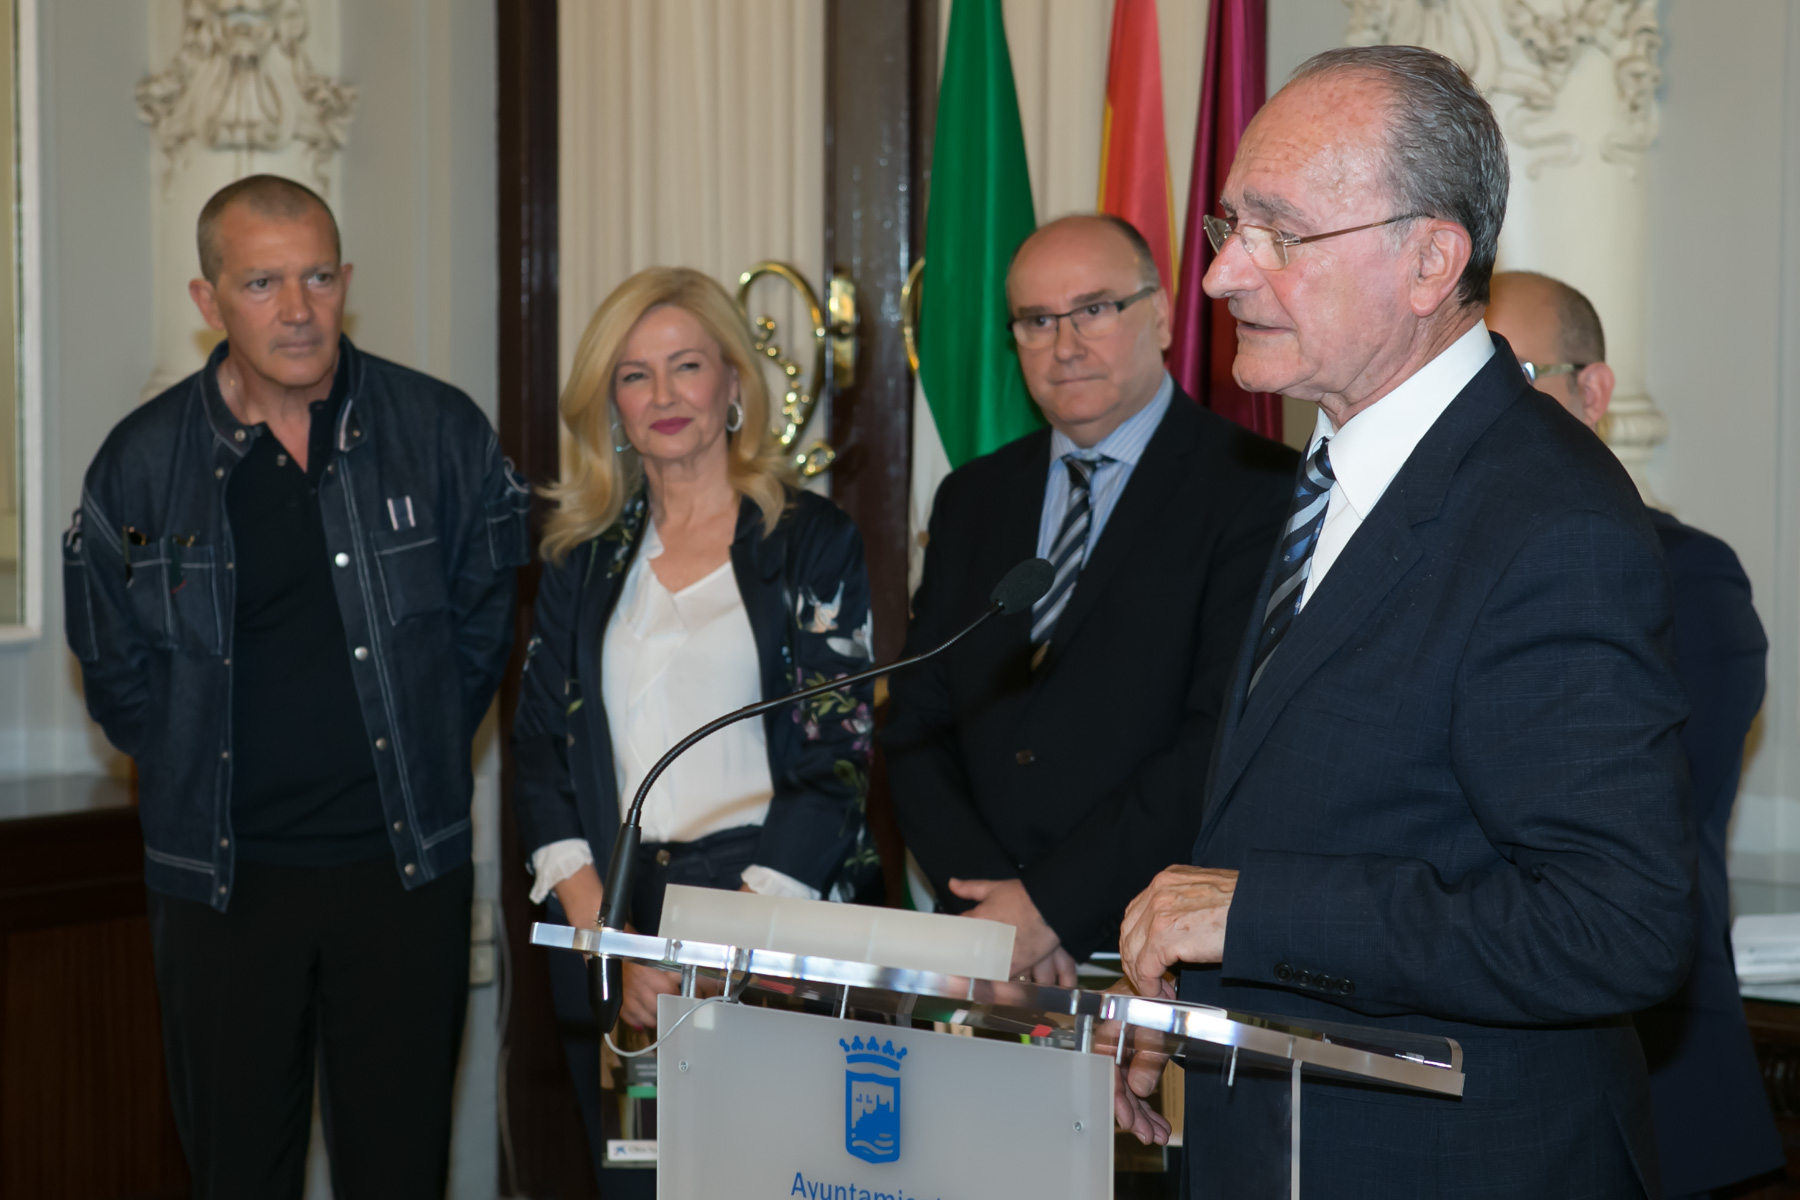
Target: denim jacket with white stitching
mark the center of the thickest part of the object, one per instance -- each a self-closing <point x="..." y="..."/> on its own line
<point x="425" y="523"/>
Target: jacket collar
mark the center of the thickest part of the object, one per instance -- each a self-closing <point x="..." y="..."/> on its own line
<point x="1378" y="556"/>
<point x="236" y="437"/>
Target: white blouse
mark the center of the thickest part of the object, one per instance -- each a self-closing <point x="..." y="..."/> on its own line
<point x="670" y="662"/>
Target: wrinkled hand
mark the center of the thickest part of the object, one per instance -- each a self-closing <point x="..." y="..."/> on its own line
<point x="1140" y="1067"/>
<point x="1179" y="918"/>
<point x="1007" y="901"/>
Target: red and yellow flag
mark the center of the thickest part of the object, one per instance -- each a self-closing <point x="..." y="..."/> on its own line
<point x="1134" y="153"/>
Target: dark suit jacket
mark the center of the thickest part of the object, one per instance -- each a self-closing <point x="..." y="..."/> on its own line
<point x="1076" y="780"/>
<point x="1457" y="800"/>
<point x="1713" y="1125"/>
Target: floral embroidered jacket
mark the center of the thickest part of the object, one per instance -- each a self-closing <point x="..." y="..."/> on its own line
<point x="806" y="592"/>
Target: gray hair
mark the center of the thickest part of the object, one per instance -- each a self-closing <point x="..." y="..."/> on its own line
<point x="1446" y="156"/>
<point x="271" y="196"/>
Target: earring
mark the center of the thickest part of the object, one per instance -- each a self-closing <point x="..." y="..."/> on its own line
<point x="621" y="443"/>
<point x="734" y="417"/>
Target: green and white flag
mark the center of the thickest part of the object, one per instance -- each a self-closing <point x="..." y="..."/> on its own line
<point x="971" y="397"/>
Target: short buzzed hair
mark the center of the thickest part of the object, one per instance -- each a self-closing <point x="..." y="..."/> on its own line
<point x="268" y="196"/>
<point x="1148" y="275"/>
<point x="1446" y="156"/>
<point x="1579" y="335"/>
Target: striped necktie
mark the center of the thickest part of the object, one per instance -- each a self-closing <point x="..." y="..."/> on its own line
<point x="1066" y="552"/>
<point x="1312" y="497"/>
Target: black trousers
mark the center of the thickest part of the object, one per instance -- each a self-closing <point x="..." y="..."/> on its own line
<point x="335" y="969"/>
<point x="716" y="861"/>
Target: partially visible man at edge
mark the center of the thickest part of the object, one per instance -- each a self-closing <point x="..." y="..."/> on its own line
<point x="1038" y="769"/>
<point x="1449" y="796"/>
<point x="1713" y="1124"/>
<point x="290" y="589"/>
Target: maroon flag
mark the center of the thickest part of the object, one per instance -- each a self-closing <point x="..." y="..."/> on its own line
<point x="1233" y="86"/>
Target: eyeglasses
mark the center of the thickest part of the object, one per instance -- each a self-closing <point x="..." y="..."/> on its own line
<point x="1268" y="248"/>
<point x="1094" y="320"/>
<point x="1536" y="371"/>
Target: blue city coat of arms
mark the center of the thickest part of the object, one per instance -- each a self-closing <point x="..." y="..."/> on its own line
<point x="872" y="1099"/>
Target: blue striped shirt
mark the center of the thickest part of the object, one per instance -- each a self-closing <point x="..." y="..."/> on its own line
<point x="1124" y="446"/>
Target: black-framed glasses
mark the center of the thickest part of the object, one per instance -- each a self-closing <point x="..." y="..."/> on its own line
<point x="1268" y="248"/>
<point x="1536" y="371"/>
<point x="1092" y="320"/>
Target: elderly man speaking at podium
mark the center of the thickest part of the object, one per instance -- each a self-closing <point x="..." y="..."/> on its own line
<point x="1448" y="793"/>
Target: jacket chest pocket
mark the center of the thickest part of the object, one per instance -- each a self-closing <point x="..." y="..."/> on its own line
<point x="409" y="567"/>
<point x="173" y="587"/>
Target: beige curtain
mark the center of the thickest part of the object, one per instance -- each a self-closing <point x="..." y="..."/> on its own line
<point x="691" y="134"/>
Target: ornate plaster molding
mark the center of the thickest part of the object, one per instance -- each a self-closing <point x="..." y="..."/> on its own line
<point x="1517" y="48"/>
<point x="243" y="82"/>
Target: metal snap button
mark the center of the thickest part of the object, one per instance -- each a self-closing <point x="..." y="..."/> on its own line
<point x="381" y="743"/>
<point x="341" y="559"/>
<point x="412" y="868"/>
<point x="662" y="858"/>
<point x="362" y="653"/>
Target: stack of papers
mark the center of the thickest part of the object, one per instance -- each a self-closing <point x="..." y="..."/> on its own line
<point x="1767" y="949"/>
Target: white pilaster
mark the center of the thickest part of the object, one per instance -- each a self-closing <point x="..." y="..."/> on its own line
<point x="1574" y="85"/>
<point x="237" y="87"/>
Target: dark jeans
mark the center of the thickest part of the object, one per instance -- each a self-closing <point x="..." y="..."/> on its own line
<point x="335" y="969"/>
<point x="716" y="861"/>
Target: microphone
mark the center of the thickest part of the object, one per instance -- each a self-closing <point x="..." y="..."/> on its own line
<point x="1017" y="591"/>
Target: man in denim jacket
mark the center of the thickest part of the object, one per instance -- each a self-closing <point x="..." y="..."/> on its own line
<point x="290" y="588"/>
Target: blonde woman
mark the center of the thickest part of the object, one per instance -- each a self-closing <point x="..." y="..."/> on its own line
<point x="686" y="576"/>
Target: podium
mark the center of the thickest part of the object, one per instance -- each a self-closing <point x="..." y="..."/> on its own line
<point x="835" y="1080"/>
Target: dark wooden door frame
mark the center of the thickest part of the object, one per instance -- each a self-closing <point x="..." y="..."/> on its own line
<point x="880" y="91"/>
<point x="543" y="1150"/>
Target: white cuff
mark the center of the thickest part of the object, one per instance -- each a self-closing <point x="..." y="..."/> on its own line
<point x="766" y="881"/>
<point x="552" y="864"/>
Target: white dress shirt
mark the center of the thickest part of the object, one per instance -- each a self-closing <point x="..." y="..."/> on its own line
<point x="670" y="662"/>
<point x="1373" y="445"/>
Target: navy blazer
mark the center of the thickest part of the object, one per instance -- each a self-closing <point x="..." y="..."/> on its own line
<point x="1713" y="1124"/>
<point x="1457" y="800"/>
<point x="806" y="593"/>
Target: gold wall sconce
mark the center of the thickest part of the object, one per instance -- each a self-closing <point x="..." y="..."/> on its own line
<point x="833" y="337"/>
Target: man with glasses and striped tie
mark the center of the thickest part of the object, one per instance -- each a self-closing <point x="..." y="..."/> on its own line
<point x="1042" y="769"/>
<point x="1448" y="795"/>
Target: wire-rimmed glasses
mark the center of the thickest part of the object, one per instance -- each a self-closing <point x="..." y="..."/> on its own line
<point x="1268" y="248"/>
<point x="1093" y="320"/>
<point x="1536" y="371"/>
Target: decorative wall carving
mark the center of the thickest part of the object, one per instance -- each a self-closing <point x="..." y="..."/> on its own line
<point x="242" y="81"/>
<point x="1582" y="222"/>
<point x="1525" y="49"/>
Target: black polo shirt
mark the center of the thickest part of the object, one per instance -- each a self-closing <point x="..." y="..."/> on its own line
<point x="303" y="785"/>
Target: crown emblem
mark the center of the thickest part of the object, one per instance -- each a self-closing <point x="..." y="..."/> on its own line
<point x="872" y="1053"/>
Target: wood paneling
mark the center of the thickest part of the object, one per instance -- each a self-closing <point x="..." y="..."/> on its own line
<point x="84" y="1103"/>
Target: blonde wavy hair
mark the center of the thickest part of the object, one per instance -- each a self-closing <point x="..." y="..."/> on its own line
<point x="597" y="478"/>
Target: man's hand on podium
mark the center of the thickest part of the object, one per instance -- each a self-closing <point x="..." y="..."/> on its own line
<point x="1179" y="918"/>
<point x="1037" y="951"/>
